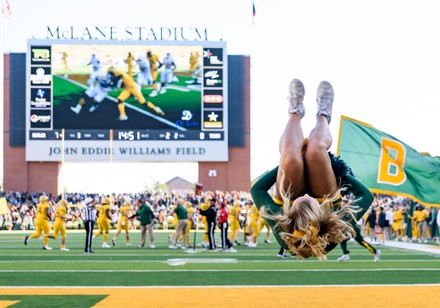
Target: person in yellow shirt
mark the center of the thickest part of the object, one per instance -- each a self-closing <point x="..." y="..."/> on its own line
<point x="130" y="88"/>
<point x="130" y="65"/>
<point x="264" y="224"/>
<point x="254" y="224"/>
<point x="204" y="206"/>
<point x="397" y="225"/>
<point x="58" y="226"/>
<point x="195" y="68"/>
<point x="190" y="211"/>
<point x="234" y="221"/>
<point x="123" y="223"/>
<point x="419" y="218"/>
<point x="104" y="218"/>
<point x="42" y="224"/>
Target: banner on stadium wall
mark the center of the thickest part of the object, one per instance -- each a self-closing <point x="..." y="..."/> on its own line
<point x="387" y="165"/>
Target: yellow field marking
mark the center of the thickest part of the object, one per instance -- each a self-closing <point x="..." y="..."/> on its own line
<point x="309" y="296"/>
<point x="4" y="304"/>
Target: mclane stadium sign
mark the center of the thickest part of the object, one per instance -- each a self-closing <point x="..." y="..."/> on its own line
<point x="130" y="33"/>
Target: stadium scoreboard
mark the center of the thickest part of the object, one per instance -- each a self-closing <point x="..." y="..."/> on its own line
<point x="59" y="78"/>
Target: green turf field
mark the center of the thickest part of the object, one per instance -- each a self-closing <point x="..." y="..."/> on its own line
<point x="129" y="266"/>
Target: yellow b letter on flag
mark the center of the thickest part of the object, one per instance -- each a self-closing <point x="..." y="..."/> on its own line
<point x="391" y="163"/>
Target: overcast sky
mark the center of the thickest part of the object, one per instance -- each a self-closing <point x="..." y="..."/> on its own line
<point x="382" y="58"/>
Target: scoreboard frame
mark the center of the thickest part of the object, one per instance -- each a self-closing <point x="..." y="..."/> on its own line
<point x="193" y="129"/>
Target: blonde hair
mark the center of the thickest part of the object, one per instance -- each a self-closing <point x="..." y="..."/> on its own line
<point x="308" y="228"/>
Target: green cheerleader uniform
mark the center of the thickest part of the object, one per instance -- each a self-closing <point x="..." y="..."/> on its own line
<point x="344" y="177"/>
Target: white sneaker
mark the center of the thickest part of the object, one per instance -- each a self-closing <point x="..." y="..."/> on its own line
<point x="324" y="98"/>
<point x="105" y="245"/>
<point x="252" y="244"/>
<point x="232" y="250"/>
<point x="153" y="93"/>
<point x="76" y="109"/>
<point x="172" y="246"/>
<point x="296" y="97"/>
<point x="122" y="118"/>
<point x="64" y="249"/>
<point x="47" y="248"/>
<point x="163" y="90"/>
<point x="127" y="244"/>
<point x="377" y="256"/>
<point x="268" y="241"/>
<point x="183" y="247"/>
<point x="344" y="258"/>
<point x="152" y="245"/>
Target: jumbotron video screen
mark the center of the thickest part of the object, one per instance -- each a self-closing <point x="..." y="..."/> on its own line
<point x="126" y="101"/>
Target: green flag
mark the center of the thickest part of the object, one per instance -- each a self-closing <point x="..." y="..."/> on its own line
<point x="387" y="165"/>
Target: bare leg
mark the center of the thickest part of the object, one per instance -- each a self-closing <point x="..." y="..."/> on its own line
<point x="321" y="179"/>
<point x="290" y="178"/>
<point x="320" y="175"/>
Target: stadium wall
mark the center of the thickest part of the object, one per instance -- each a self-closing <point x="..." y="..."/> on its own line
<point x="20" y="175"/>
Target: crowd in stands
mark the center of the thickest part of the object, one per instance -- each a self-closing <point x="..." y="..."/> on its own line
<point x="389" y="218"/>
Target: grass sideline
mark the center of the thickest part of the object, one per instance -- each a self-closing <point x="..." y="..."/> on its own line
<point x="129" y="266"/>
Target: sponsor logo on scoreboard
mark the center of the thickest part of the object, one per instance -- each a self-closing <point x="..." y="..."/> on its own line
<point x="40" y="98"/>
<point x="212" y="56"/>
<point x="41" y="76"/>
<point x="213" y="119"/>
<point x="41" y="55"/>
<point x="213" y="78"/>
<point x="40" y="118"/>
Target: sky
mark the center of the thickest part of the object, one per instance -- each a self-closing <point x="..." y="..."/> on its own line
<point x="382" y="58"/>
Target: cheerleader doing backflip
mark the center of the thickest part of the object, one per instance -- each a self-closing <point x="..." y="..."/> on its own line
<point x="305" y="212"/>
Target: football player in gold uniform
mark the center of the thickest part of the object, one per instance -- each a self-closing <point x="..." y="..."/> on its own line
<point x="130" y="65"/>
<point x="263" y="223"/>
<point x="234" y="221"/>
<point x="154" y="66"/>
<point x="195" y="65"/>
<point x="104" y="218"/>
<point x="58" y="226"/>
<point x="204" y="206"/>
<point x="397" y="225"/>
<point x="123" y="223"/>
<point x="42" y="224"/>
<point x="190" y="211"/>
<point x="254" y="224"/>
<point x="130" y="88"/>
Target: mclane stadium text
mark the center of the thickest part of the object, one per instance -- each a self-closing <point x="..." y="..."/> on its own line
<point x="127" y="34"/>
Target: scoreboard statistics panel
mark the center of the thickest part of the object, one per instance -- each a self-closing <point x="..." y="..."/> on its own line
<point x="174" y="95"/>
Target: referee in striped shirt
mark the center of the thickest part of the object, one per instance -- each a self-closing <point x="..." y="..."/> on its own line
<point x="89" y="215"/>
